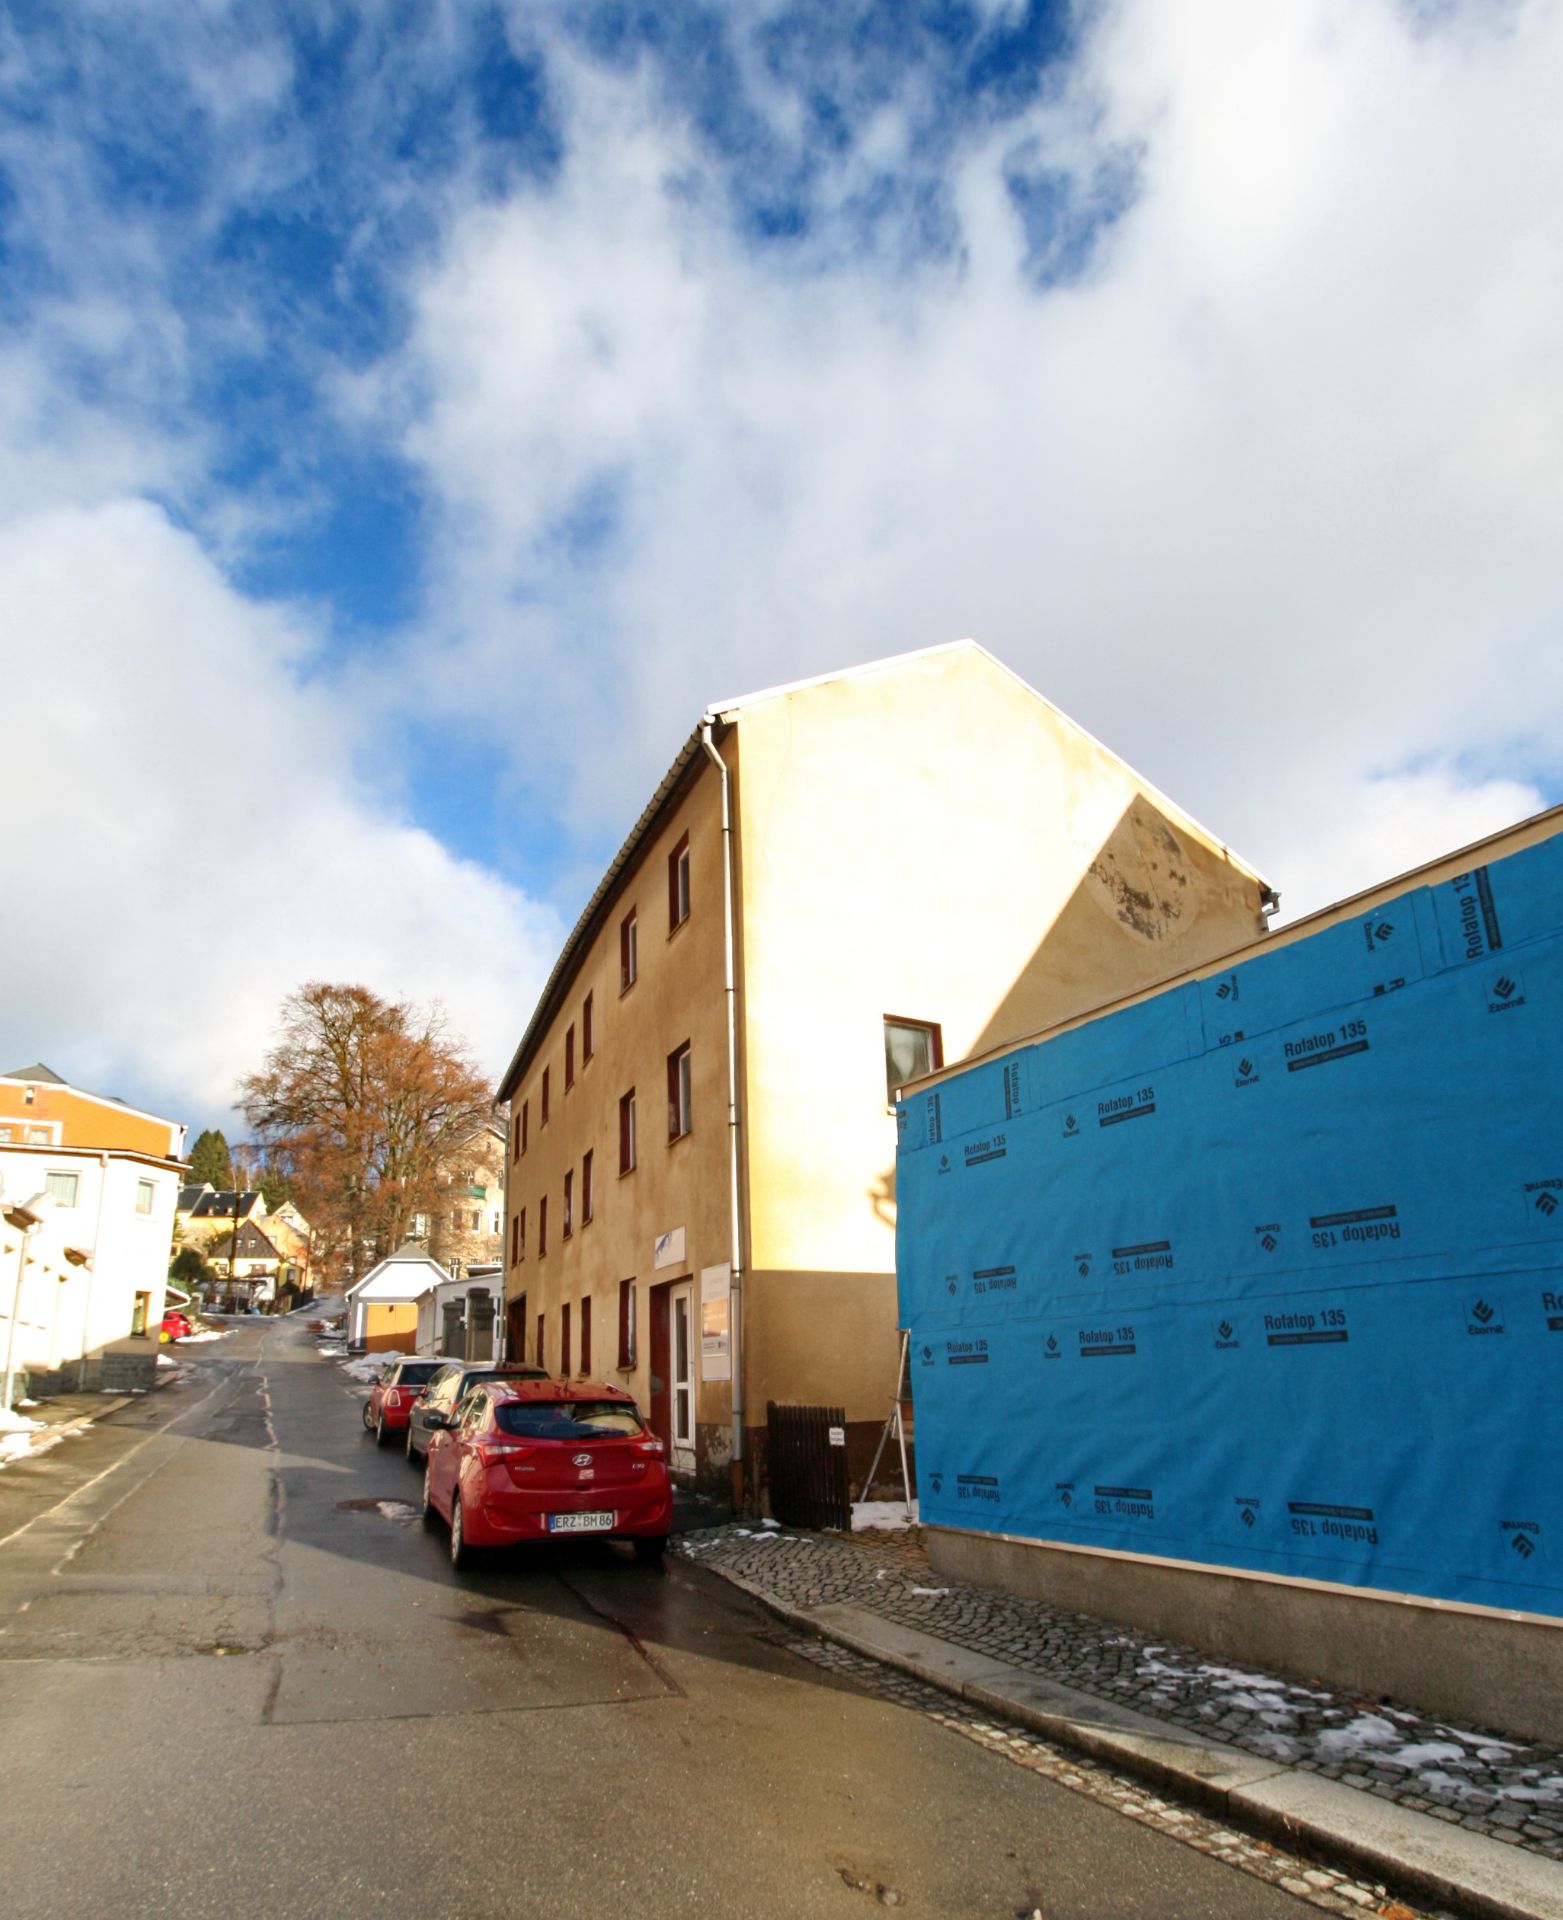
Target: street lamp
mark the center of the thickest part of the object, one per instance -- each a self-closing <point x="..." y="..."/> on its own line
<point x="26" y="1220"/>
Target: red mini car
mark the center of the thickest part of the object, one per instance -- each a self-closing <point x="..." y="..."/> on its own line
<point x="175" y="1326"/>
<point x="391" y="1397"/>
<point x="544" y="1460"/>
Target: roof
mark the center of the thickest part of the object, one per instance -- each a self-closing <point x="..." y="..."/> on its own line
<point x="543" y="1389"/>
<point x="725" y="713"/>
<point x="219" y="1205"/>
<point x="38" y="1075"/>
<point x="400" y="1278"/>
<point x="188" y="1196"/>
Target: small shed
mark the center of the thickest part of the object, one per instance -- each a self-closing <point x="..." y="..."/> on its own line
<point x="461" y="1317"/>
<point x="382" y="1309"/>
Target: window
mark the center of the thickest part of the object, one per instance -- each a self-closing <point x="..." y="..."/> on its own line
<point x="542" y="1102"/>
<point x="29" y="1096"/>
<point x="145" y="1194"/>
<point x="542" y="1226"/>
<point x="569" y="1203"/>
<point x="586" y="1188"/>
<point x="678" y="885"/>
<point x="912" y="1049"/>
<point x="569" y="1057"/>
<point x="521" y="1234"/>
<point x="37" y="1136"/>
<point x="517" y="1318"/>
<point x="564" y="1341"/>
<point x="139" y="1313"/>
<point x="61" y="1188"/>
<point x="537" y="1358"/>
<point x="525" y="1117"/>
<point x="515" y="1239"/>
<point x="679" y="1116"/>
<point x="588" y="1039"/>
<point x="456" y="1216"/>
<point x="5" y="1134"/>
<point x="629" y="969"/>
<point x="515" y="1136"/>
<point x="586" y="1338"/>
<point x="627" y="1132"/>
<point x="626" y="1323"/>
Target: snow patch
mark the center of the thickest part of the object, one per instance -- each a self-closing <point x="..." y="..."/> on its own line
<point x="893" y="1515"/>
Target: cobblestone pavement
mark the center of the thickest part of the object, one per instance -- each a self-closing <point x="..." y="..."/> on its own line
<point x="1324" y="1887"/>
<point x="1510" y="1791"/>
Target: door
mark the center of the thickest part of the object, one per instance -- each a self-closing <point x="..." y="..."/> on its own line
<point x="681" y="1379"/>
<point x="660" y="1410"/>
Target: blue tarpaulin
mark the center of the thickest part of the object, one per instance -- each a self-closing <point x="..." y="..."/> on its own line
<point x="1267" y="1271"/>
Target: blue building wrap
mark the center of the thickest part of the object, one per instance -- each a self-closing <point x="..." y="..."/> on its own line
<point x="1266" y="1271"/>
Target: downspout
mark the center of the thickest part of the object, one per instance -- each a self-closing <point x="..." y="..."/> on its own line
<point x="735" y="1285"/>
<point x="92" y="1271"/>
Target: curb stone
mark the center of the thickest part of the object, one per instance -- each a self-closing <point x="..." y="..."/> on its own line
<point x="1420" y="1856"/>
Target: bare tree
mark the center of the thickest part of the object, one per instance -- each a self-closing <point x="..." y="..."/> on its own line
<point x="361" y="1101"/>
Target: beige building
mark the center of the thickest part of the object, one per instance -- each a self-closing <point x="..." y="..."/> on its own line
<point x="838" y="886"/>
<point x="466" y="1227"/>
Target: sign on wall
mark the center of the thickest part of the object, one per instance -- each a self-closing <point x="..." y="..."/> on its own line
<point x="716" y="1355"/>
<point x="1267" y="1271"/>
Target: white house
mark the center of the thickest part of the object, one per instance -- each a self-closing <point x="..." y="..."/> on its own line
<point x="84" y="1244"/>
<point x="382" y="1309"/>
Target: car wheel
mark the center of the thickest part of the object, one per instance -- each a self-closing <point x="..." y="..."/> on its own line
<point x="431" y="1513"/>
<point x="368" y="1419"/>
<point x="412" y="1451"/>
<point x="651" y="1546"/>
<point x="460" y="1552"/>
<point x="380" y="1431"/>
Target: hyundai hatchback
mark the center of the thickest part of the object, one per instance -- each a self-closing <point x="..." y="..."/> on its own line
<point x="547" y="1460"/>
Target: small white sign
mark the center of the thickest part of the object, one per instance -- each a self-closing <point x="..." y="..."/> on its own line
<point x="838" y="1436"/>
<point x="667" y="1250"/>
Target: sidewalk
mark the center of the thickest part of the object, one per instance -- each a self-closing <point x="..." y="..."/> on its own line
<point x="1445" y="1813"/>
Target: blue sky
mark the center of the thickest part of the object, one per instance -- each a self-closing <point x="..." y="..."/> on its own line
<point x="410" y="416"/>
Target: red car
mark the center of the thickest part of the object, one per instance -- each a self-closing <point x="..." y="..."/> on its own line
<point x="545" y="1460"/>
<point x="175" y="1326"/>
<point x="391" y="1397"/>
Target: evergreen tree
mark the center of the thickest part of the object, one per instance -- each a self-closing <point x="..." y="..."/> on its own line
<point x="209" y="1160"/>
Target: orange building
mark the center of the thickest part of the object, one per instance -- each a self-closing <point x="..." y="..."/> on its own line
<point x="39" y="1109"/>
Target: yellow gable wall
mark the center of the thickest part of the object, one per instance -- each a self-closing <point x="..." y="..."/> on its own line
<point x="390" y="1329"/>
<point x="82" y="1120"/>
<point x="933" y="842"/>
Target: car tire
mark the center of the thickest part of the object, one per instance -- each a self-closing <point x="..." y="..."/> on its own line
<point x="431" y="1513"/>
<point x="650" y="1547"/>
<point x="380" y="1431"/>
<point x="412" y="1451"/>
<point x="368" y="1419"/>
<point x="460" y="1552"/>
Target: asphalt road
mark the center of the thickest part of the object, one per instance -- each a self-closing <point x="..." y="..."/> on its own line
<point x="233" y="1683"/>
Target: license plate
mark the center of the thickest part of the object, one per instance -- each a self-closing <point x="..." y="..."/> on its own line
<point x="580" y="1523"/>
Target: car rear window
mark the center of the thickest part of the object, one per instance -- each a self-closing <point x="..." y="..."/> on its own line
<point x="567" y="1419"/>
<point x="417" y="1376"/>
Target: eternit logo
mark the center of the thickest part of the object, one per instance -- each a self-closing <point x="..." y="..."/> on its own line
<point x="1071" y="1124"/>
<point x="1482" y="1312"/>
<point x="1225" y="1329"/>
<point x="1248" y="1517"/>
<point x="1383" y="931"/>
<point x="1224" y="991"/>
<point x="1052" y="1343"/>
<point x="1503" y="987"/>
<point x="936" y="1481"/>
<point x="1523" y="1545"/>
<point x="1546" y="1203"/>
<point x="1067" y="1497"/>
<point x="1245" y="1067"/>
<point x="1268" y="1242"/>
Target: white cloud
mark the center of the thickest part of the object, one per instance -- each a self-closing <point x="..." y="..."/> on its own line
<point x="186" y="838"/>
<point x="1269" y="500"/>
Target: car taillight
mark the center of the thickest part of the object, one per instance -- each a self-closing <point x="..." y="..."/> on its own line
<point x="650" y="1446"/>
<point x="490" y="1452"/>
<point x="393" y="1398"/>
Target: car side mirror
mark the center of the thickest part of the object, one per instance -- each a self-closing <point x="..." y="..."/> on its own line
<point x="436" y="1419"/>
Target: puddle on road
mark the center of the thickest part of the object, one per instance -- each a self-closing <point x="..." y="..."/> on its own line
<point x="387" y="1509"/>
